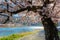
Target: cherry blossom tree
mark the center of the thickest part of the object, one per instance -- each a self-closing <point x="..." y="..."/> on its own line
<point x="45" y="8"/>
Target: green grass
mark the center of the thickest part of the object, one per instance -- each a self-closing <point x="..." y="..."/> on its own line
<point x="11" y="37"/>
<point x="17" y="36"/>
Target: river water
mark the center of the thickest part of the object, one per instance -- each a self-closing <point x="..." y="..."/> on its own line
<point x="9" y="31"/>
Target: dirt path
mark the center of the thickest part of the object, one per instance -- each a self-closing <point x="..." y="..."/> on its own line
<point x="37" y="36"/>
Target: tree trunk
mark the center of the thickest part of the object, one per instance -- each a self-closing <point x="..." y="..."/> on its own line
<point x="51" y="32"/>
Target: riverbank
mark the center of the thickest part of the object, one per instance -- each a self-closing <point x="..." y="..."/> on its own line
<point x="17" y="36"/>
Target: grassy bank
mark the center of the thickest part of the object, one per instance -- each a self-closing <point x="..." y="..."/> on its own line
<point x="17" y="36"/>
